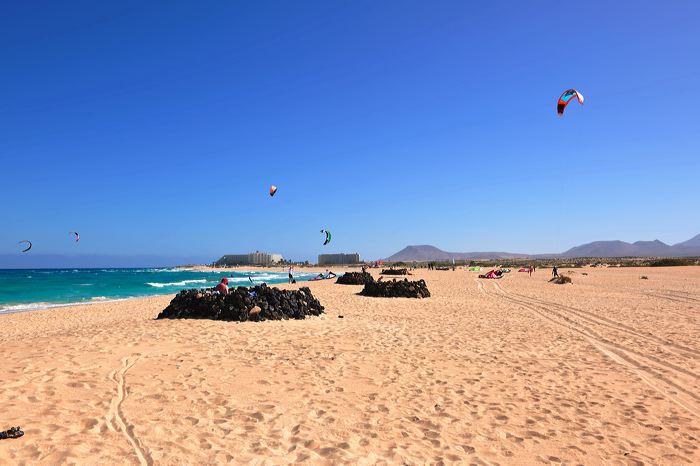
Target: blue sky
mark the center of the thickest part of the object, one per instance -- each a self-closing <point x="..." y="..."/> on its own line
<point x="157" y="128"/>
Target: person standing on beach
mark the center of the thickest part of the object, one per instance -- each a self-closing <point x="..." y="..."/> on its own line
<point x="530" y="269"/>
<point x="291" y="277"/>
<point x="554" y="272"/>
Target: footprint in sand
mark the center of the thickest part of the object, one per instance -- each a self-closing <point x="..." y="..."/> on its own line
<point x="115" y="417"/>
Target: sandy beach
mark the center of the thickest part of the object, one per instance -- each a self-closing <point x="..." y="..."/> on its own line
<point x="512" y="371"/>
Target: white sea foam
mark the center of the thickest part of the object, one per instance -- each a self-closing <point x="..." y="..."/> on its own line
<point x="239" y="280"/>
<point x="182" y="283"/>
<point x="41" y="305"/>
<point x="267" y="276"/>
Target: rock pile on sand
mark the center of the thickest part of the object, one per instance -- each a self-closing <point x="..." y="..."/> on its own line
<point x="355" y="278"/>
<point x="12" y="432"/>
<point x="394" y="272"/>
<point x="240" y="304"/>
<point x="394" y="289"/>
<point x="561" y="280"/>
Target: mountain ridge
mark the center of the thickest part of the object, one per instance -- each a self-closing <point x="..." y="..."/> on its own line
<point x="611" y="248"/>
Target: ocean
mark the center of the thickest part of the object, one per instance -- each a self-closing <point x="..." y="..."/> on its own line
<point x="26" y="289"/>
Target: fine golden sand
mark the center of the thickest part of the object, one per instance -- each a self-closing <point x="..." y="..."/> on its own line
<point x="512" y="371"/>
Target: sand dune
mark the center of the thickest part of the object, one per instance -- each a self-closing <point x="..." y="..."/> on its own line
<point x="514" y="371"/>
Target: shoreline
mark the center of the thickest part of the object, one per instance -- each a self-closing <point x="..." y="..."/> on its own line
<point x="43" y="306"/>
<point x="13" y="308"/>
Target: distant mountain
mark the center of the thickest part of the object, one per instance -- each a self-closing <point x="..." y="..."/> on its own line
<point x="621" y="249"/>
<point x="420" y="253"/>
<point x="431" y="253"/>
<point x="693" y="242"/>
<point x="654" y="248"/>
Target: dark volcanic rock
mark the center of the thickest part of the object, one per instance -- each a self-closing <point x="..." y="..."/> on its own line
<point x="240" y="304"/>
<point x="561" y="280"/>
<point x="394" y="272"/>
<point x="394" y="289"/>
<point x="355" y="278"/>
<point x="12" y="432"/>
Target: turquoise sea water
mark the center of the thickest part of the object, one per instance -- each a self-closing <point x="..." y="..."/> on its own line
<point x="22" y="290"/>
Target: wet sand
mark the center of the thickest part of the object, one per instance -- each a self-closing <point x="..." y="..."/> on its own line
<point x="512" y="371"/>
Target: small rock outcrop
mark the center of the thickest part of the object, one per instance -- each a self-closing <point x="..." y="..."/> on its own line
<point x="561" y="280"/>
<point x="396" y="289"/>
<point x="241" y="304"/>
<point x="394" y="272"/>
<point x="12" y="432"/>
<point x="355" y="278"/>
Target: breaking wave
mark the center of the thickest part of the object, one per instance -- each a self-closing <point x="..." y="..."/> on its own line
<point x="182" y="283"/>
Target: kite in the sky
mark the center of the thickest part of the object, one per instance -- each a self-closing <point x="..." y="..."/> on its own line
<point x="328" y="236"/>
<point x="567" y="97"/>
<point x="76" y="234"/>
<point x="28" y="242"/>
<point x="273" y="190"/>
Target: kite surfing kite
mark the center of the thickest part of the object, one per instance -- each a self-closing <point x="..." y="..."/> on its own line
<point x="76" y="234"/>
<point x="567" y="97"/>
<point x="328" y="236"/>
<point x="273" y="190"/>
<point x="28" y="242"/>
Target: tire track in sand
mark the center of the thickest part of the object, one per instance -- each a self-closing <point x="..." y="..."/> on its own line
<point x="597" y="319"/>
<point x="498" y="288"/>
<point x="675" y="296"/>
<point x="116" y="416"/>
<point x="570" y="317"/>
<point x="642" y="365"/>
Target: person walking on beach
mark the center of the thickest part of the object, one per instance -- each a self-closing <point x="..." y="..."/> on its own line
<point x="554" y="272"/>
<point x="291" y="277"/>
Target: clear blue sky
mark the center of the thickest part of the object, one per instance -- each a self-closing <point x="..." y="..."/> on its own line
<point x="157" y="127"/>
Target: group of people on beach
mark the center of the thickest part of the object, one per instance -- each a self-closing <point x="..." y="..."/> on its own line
<point x="222" y="287"/>
<point x="555" y="272"/>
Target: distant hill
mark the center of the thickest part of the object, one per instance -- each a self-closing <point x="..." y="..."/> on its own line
<point x="692" y="242"/>
<point x="431" y="253"/>
<point x="654" y="248"/>
<point x="420" y="253"/>
<point x="621" y="249"/>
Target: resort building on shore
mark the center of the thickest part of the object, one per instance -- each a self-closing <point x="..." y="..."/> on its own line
<point x="253" y="258"/>
<point x="338" y="259"/>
